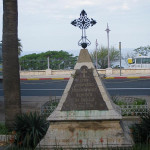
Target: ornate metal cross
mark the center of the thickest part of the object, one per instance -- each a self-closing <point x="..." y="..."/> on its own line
<point x="83" y="23"/>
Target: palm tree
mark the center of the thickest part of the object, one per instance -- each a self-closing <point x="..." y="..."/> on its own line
<point x="11" y="78"/>
<point x="19" y="46"/>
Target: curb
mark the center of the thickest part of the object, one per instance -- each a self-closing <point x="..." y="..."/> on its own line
<point x="130" y="77"/>
<point x="23" y="79"/>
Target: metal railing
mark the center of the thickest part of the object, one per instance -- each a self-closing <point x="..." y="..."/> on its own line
<point x="134" y="110"/>
<point x="125" y="110"/>
<point x="49" y="107"/>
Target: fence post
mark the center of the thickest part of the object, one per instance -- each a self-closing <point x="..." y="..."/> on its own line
<point x="48" y="62"/>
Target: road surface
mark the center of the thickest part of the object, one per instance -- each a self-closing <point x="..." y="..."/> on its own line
<point x="120" y="87"/>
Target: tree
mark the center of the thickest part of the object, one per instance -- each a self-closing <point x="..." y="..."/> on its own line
<point x="11" y="78"/>
<point x="58" y="60"/>
<point x="143" y="50"/>
<point x="102" y="56"/>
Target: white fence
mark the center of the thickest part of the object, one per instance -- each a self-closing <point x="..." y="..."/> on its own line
<point x="126" y="110"/>
<point x="134" y="110"/>
<point x="49" y="107"/>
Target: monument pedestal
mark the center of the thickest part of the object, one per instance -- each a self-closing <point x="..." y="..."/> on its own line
<point x="85" y="115"/>
<point x="87" y="134"/>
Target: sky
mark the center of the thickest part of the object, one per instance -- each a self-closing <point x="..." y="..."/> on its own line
<point x="46" y="24"/>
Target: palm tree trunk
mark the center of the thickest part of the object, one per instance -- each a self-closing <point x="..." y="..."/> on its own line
<point x="11" y="77"/>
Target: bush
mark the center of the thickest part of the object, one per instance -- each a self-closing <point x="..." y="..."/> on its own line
<point x="3" y="129"/>
<point x="141" y="132"/>
<point x="30" y="128"/>
<point x="139" y="102"/>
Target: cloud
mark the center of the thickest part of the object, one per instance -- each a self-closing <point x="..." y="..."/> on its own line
<point x="125" y="6"/>
<point x="61" y="9"/>
<point x="78" y="3"/>
<point x="119" y="7"/>
<point x="58" y="9"/>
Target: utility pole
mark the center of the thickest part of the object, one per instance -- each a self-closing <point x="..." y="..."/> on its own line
<point x="96" y="54"/>
<point x="107" y="30"/>
<point x="120" y="56"/>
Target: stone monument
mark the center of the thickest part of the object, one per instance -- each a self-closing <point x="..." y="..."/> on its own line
<point x="85" y="116"/>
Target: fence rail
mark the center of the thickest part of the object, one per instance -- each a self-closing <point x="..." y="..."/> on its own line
<point x="49" y="107"/>
<point x="125" y="110"/>
<point x="134" y="110"/>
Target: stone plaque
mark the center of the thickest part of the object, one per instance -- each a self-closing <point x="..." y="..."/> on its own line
<point x="84" y="93"/>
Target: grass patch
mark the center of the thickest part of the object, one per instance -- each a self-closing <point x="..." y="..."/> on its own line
<point x="128" y="101"/>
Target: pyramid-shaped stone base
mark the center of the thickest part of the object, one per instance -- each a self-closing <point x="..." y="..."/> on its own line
<point x="91" y="134"/>
<point x="85" y="116"/>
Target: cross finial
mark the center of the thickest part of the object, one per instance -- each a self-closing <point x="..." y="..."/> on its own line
<point x="83" y="23"/>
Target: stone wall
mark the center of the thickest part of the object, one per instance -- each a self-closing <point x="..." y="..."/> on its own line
<point x="100" y="71"/>
<point x="33" y="72"/>
<point x="61" y="72"/>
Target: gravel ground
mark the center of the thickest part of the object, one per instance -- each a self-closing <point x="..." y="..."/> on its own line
<point x="29" y="103"/>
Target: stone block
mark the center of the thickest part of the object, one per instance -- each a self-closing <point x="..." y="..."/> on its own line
<point x="48" y="72"/>
<point x="108" y="71"/>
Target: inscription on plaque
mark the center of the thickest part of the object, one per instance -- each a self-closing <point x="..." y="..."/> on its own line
<point x="84" y="93"/>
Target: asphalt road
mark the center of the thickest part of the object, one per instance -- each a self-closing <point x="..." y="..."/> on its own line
<point x="122" y="87"/>
<point x="128" y="87"/>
